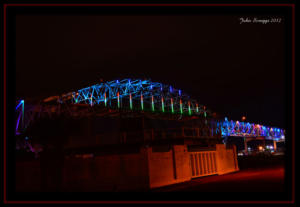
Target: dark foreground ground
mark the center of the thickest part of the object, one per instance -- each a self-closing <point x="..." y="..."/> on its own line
<point x="264" y="176"/>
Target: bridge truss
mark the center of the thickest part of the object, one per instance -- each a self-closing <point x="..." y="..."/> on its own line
<point x="137" y="94"/>
<point x="243" y="129"/>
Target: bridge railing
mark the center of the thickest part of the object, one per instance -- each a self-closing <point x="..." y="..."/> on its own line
<point x="167" y="133"/>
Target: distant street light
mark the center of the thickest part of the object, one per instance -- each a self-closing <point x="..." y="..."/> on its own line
<point x="243" y="118"/>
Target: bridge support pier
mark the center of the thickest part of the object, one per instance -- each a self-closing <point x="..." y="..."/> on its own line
<point x="264" y="143"/>
<point x="245" y="145"/>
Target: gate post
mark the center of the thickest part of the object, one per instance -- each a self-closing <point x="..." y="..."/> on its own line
<point x="275" y="145"/>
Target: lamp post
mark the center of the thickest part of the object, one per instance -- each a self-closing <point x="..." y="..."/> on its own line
<point x="245" y="139"/>
<point x="243" y="118"/>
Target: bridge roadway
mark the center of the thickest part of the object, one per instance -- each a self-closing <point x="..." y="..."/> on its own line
<point x="28" y="114"/>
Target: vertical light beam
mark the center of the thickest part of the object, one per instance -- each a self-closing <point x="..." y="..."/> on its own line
<point x="197" y="108"/>
<point x="118" y="94"/>
<point x="76" y="97"/>
<point x="142" y="102"/>
<point x="130" y="100"/>
<point x="190" y="112"/>
<point x="152" y="101"/>
<point x="180" y="106"/>
<point x="162" y="104"/>
<point x="172" y="107"/>
<point x="105" y="101"/>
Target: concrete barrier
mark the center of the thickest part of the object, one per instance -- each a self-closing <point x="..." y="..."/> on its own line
<point x="170" y="167"/>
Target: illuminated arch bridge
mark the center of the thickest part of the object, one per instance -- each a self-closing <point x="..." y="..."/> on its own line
<point x="137" y="94"/>
<point x="143" y="95"/>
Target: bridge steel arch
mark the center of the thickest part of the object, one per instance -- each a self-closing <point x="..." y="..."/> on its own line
<point x="158" y="96"/>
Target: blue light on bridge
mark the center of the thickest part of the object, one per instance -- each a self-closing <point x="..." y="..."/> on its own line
<point x="20" y="116"/>
<point x="21" y="102"/>
<point x="129" y="90"/>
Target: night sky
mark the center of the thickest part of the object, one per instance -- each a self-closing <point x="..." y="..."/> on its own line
<point x="234" y="69"/>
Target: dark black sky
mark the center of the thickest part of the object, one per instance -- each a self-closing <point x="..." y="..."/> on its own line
<point x="234" y="69"/>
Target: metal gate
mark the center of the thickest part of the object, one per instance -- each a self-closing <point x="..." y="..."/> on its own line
<point x="203" y="163"/>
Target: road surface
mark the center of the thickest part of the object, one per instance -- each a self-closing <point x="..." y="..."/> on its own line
<point x="249" y="180"/>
